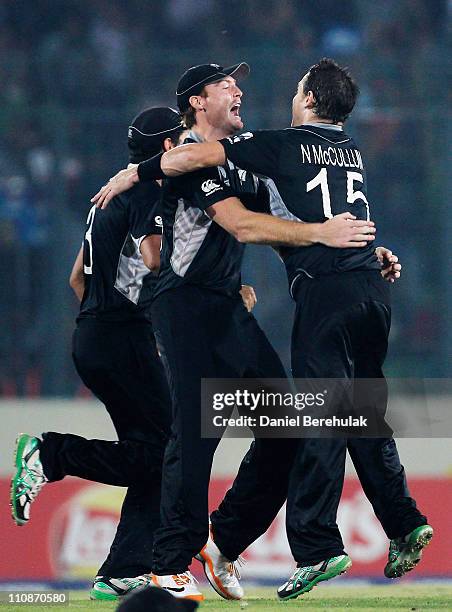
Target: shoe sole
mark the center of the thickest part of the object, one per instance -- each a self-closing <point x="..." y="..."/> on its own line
<point x="21" y="442"/>
<point x="341" y="568"/>
<point x="213" y="580"/>
<point x="94" y="594"/>
<point x="192" y="597"/>
<point x="419" y="539"/>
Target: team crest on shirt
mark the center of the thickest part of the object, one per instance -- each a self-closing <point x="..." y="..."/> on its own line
<point x="210" y="186"/>
<point x="240" y="137"/>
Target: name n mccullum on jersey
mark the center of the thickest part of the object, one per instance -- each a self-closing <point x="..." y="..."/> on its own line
<point x="332" y="156"/>
<point x="315" y="171"/>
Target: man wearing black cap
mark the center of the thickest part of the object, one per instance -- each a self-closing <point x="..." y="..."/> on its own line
<point x="115" y="354"/>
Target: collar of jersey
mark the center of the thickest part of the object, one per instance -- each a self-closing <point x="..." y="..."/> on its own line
<point x="194" y="136"/>
<point x="323" y="126"/>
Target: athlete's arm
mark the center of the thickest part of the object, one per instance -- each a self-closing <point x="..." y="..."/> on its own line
<point x="190" y="157"/>
<point x="391" y="268"/>
<point x="259" y="228"/>
<point x="150" y="251"/>
<point x="258" y="152"/>
<point x="77" y="278"/>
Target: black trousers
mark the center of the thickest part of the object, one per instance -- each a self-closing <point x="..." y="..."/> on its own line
<point x="203" y="334"/>
<point x="121" y="366"/>
<point x="341" y="330"/>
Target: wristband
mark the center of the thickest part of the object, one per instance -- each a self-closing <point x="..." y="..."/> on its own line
<point x="150" y="169"/>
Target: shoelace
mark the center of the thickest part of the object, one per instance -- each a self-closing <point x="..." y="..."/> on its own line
<point x="233" y="567"/>
<point x="33" y="488"/>
<point x="136" y="580"/>
<point x="301" y="572"/>
<point x="190" y="576"/>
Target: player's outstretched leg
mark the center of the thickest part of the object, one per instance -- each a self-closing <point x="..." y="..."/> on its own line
<point x="221" y="573"/>
<point x="28" y="479"/>
<point x="405" y="553"/>
<point x="110" y="589"/>
<point x="306" y="578"/>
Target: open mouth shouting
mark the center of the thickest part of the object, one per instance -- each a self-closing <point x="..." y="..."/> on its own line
<point x="235" y="110"/>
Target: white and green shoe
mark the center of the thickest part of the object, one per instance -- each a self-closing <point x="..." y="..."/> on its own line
<point x="304" y="579"/>
<point x="28" y="479"/>
<point x="110" y="589"/>
<point x="405" y="553"/>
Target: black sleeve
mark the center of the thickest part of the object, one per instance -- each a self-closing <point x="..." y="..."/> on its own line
<point x="208" y="187"/>
<point x="255" y="151"/>
<point x="144" y="211"/>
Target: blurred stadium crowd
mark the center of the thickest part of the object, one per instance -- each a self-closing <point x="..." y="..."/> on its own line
<point x="74" y="72"/>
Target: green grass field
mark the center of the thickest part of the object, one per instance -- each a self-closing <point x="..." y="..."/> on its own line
<point x="395" y="597"/>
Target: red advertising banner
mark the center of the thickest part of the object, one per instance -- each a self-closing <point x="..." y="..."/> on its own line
<point x="74" y="522"/>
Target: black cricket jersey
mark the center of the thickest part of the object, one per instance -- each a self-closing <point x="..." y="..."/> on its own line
<point x="196" y="250"/>
<point x="118" y="285"/>
<point x="315" y="171"/>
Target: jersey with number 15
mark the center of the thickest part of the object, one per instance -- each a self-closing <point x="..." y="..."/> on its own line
<point x="314" y="173"/>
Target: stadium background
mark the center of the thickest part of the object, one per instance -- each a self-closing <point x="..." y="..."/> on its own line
<point x="73" y="74"/>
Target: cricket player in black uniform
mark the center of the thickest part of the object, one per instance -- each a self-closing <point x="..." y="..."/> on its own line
<point x="341" y="322"/>
<point x="115" y="354"/>
<point x="204" y="332"/>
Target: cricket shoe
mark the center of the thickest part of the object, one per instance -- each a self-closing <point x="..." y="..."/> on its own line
<point x="28" y="479"/>
<point x="405" y="553"/>
<point x="183" y="586"/>
<point x="110" y="589"/>
<point x="305" y="578"/>
<point x="222" y="573"/>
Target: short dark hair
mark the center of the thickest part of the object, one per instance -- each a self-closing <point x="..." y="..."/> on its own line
<point x="334" y="90"/>
<point x="189" y="116"/>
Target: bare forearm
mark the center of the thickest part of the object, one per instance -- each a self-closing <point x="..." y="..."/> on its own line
<point x="191" y="157"/>
<point x="342" y="231"/>
<point x="258" y="228"/>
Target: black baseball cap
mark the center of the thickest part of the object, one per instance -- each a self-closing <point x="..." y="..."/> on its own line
<point x="193" y="80"/>
<point x="150" y="128"/>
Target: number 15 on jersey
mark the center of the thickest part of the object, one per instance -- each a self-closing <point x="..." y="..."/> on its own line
<point x="321" y="180"/>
